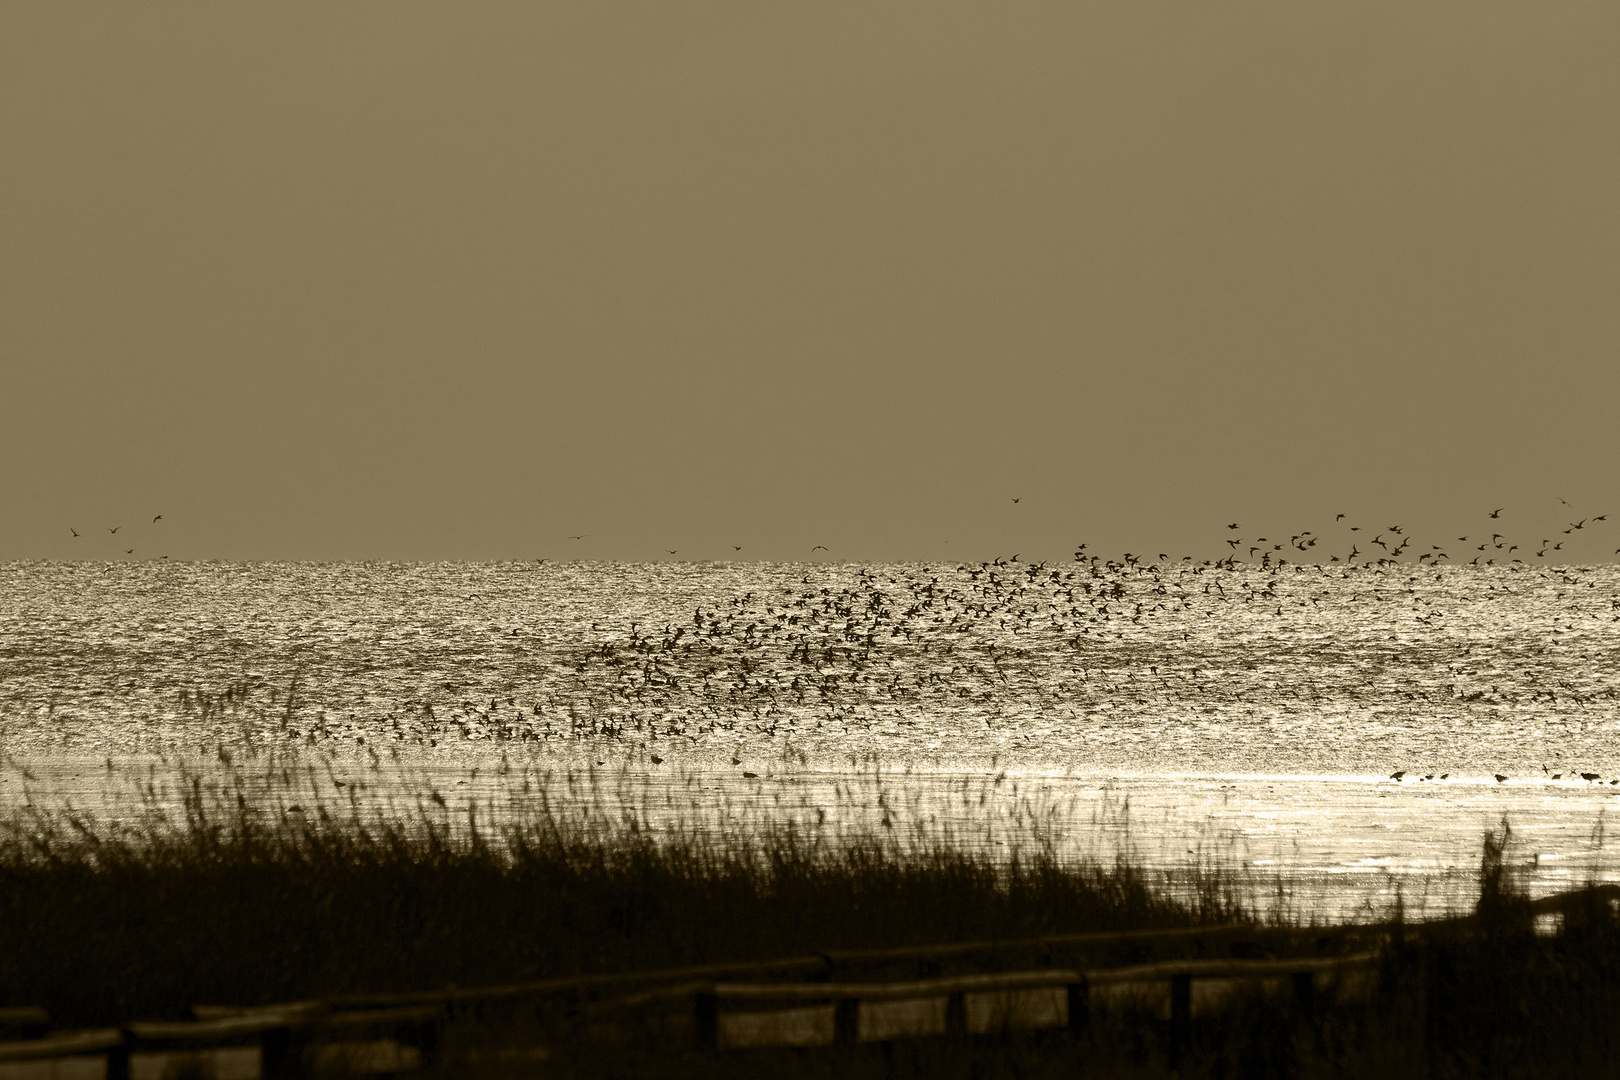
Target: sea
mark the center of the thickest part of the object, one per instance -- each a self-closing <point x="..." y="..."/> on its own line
<point x="1344" y="733"/>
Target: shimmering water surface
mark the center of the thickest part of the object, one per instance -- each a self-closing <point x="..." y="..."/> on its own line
<point x="1271" y="703"/>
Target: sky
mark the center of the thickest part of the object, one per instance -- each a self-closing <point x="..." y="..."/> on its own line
<point x="736" y="280"/>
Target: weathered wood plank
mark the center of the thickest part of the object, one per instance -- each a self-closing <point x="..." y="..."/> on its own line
<point x="226" y="1029"/>
<point x="905" y="1018"/>
<point x="797" y="965"/>
<point x="222" y="1063"/>
<point x="1228" y="969"/>
<point x="361" y="1058"/>
<point x="60" y="1068"/>
<point x="226" y="1012"/>
<point x="1017" y="1010"/>
<point x="813" y="1026"/>
<point x="889" y="991"/>
<point x="62" y="1044"/>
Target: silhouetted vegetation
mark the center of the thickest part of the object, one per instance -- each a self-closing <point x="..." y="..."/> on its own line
<point x="232" y="901"/>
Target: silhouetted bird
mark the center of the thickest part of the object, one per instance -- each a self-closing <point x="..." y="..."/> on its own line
<point x="157" y="519"/>
<point x="1500" y="779"/>
<point x="72" y="530"/>
<point x="1498" y="511"/>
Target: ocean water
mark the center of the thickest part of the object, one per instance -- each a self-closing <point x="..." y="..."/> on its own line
<point x="1268" y="705"/>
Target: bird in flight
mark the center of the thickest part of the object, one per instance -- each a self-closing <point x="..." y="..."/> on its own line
<point x="157" y="519"/>
<point x="72" y="530"/>
<point x="129" y="551"/>
<point x="672" y="551"/>
<point x="736" y="547"/>
<point x="1234" y="525"/>
<point x="581" y="536"/>
<point x="818" y="547"/>
<point x="1339" y="518"/>
<point x="1498" y="511"/>
<point x="1015" y="500"/>
<point x="114" y="530"/>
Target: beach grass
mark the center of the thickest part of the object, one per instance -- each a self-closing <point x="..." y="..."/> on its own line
<point x="261" y="881"/>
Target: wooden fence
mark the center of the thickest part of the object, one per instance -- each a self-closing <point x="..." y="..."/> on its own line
<point x="282" y="1041"/>
<point x="805" y="1005"/>
<point x="734" y="1016"/>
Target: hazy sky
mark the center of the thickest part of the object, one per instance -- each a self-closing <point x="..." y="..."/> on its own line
<point x="461" y="280"/>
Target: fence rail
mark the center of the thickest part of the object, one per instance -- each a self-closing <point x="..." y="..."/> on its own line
<point x="819" y="1014"/>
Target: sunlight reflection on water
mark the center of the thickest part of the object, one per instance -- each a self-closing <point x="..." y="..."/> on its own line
<point x="1250" y="713"/>
<point x="1334" y="846"/>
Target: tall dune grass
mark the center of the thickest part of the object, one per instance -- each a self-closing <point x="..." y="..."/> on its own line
<point x="272" y="879"/>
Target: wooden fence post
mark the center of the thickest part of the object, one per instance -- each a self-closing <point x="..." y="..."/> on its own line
<point x="1079" y="1006"/>
<point x="118" y="1060"/>
<point x="846" y="1022"/>
<point x="276" y="1054"/>
<point x="1180" y="1016"/>
<point x="956" y="1016"/>
<point x="1304" y="994"/>
<point x="706" y="1008"/>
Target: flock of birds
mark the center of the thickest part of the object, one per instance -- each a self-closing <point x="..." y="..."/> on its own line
<point x="114" y="531"/>
<point x="1392" y="540"/>
<point x="1502" y="778"/>
<point x="1017" y="650"/>
<point x="916" y="652"/>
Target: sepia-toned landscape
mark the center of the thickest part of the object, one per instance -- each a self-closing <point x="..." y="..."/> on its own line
<point x="870" y="539"/>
